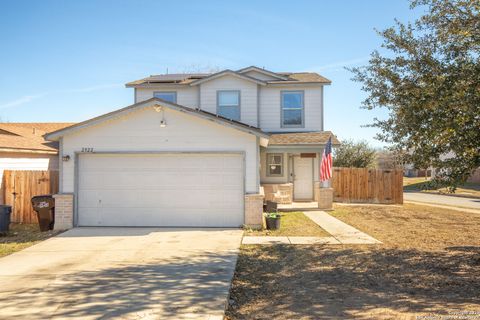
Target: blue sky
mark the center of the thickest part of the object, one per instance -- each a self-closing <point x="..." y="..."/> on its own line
<point x="69" y="60"/>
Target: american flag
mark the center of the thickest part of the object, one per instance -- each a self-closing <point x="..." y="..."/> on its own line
<point x="326" y="166"/>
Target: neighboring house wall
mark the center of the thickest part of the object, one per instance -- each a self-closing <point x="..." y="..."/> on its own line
<point x="140" y="131"/>
<point x="25" y="161"/>
<point x="248" y="96"/>
<point x="186" y="96"/>
<point x="475" y="177"/>
<point x="270" y="111"/>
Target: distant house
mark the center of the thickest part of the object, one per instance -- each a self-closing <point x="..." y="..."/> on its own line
<point x="22" y="147"/>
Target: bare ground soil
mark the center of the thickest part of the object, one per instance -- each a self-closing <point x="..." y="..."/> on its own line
<point x="428" y="264"/>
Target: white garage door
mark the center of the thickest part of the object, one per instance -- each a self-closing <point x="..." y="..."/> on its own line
<point x="204" y="190"/>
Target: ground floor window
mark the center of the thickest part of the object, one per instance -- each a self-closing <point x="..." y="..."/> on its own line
<point x="274" y="164"/>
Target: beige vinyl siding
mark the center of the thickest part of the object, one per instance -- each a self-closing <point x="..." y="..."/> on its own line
<point x="248" y="96"/>
<point x="186" y="95"/>
<point x="140" y="131"/>
<point x="25" y="161"/>
<point x="270" y="108"/>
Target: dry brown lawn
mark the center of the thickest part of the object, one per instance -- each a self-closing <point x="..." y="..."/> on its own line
<point x="292" y="224"/>
<point x="22" y="236"/>
<point x="428" y="264"/>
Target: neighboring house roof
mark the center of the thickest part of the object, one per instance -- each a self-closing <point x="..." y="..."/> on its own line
<point x="302" y="138"/>
<point x="197" y="78"/>
<point x="28" y="137"/>
<point x="54" y="136"/>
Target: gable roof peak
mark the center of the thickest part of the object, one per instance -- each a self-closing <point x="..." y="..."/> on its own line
<point x="264" y="71"/>
<point x="157" y="102"/>
<point x="227" y="72"/>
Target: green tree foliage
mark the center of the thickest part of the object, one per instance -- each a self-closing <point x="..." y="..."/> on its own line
<point x="428" y="77"/>
<point x="354" y="154"/>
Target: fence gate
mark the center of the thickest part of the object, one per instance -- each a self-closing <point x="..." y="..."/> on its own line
<point x="19" y="188"/>
<point x="365" y="185"/>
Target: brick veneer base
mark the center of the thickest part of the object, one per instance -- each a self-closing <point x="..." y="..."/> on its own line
<point x="254" y="210"/>
<point x="325" y="198"/>
<point x="63" y="211"/>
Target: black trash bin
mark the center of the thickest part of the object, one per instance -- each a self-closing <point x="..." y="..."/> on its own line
<point x="5" y="212"/>
<point x="44" y="205"/>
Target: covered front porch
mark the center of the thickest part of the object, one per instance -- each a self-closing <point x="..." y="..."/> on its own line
<point x="289" y="167"/>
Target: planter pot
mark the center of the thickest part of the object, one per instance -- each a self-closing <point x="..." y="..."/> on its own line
<point x="273" y="223"/>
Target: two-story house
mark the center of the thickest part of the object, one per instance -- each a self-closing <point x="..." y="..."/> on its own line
<point x="195" y="150"/>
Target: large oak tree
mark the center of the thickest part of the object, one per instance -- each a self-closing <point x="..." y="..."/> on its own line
<point x="428" y="77"/>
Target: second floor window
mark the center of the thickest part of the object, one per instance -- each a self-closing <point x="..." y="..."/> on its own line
<point x="170" y="96"/>
<point x="292" y="109"/>
<point x="228" y="104"/>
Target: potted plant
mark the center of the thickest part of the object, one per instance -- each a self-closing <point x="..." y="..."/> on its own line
<point x="273" y="220"/>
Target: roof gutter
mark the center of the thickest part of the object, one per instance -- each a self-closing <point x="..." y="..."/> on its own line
<point x="27" y="151"/>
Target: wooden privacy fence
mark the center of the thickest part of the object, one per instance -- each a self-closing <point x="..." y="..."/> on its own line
<point x="365" y="185"/>
<point x="19" y="188"/>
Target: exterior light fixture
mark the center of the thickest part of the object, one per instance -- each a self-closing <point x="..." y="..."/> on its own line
<point x="158" y="108"/>
<point x="66" y="158"/>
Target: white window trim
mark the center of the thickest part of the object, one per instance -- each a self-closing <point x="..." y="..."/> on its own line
<point x="239" y="103"/>
<point x="302" y="125"/>
<point x="271" y="155"/>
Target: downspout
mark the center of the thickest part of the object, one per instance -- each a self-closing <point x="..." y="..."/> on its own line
<point x="199" y="102"/>
<point x="322" y="122"/>
<point x="258" y="106"/>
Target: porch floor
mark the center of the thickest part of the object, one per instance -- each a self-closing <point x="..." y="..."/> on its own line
<point x="298" y="206"/>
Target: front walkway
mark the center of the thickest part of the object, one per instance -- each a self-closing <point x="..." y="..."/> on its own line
<point x="121" y="273"/>
<point x="298" y="206"/>
<point x="341" y="232"/>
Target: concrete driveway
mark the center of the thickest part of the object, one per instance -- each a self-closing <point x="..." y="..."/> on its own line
<point x="438" y="199"/>
<point x="121" y="273"/>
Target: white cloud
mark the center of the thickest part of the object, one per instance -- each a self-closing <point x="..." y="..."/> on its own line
<point x="27" y="99"/>
<point x="22" y="100"/>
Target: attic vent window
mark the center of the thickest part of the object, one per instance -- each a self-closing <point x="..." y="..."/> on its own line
<point x="170" y="96"/>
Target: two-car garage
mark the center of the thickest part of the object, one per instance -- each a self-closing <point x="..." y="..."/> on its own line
<point x="161" y="189"/>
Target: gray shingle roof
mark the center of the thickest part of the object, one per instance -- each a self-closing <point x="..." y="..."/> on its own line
<point x="187" y="78"/>
<point x="302" y="138"/>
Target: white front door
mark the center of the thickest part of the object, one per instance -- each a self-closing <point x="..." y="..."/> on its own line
<point x="303" y="178"/>
<point x="149" y="190"/>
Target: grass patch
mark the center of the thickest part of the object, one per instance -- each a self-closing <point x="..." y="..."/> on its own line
<point x="428" y="264"/>
<point x="22" y="236"/>
<point x="292" y="224"/>
<point x="408" y="181"/>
